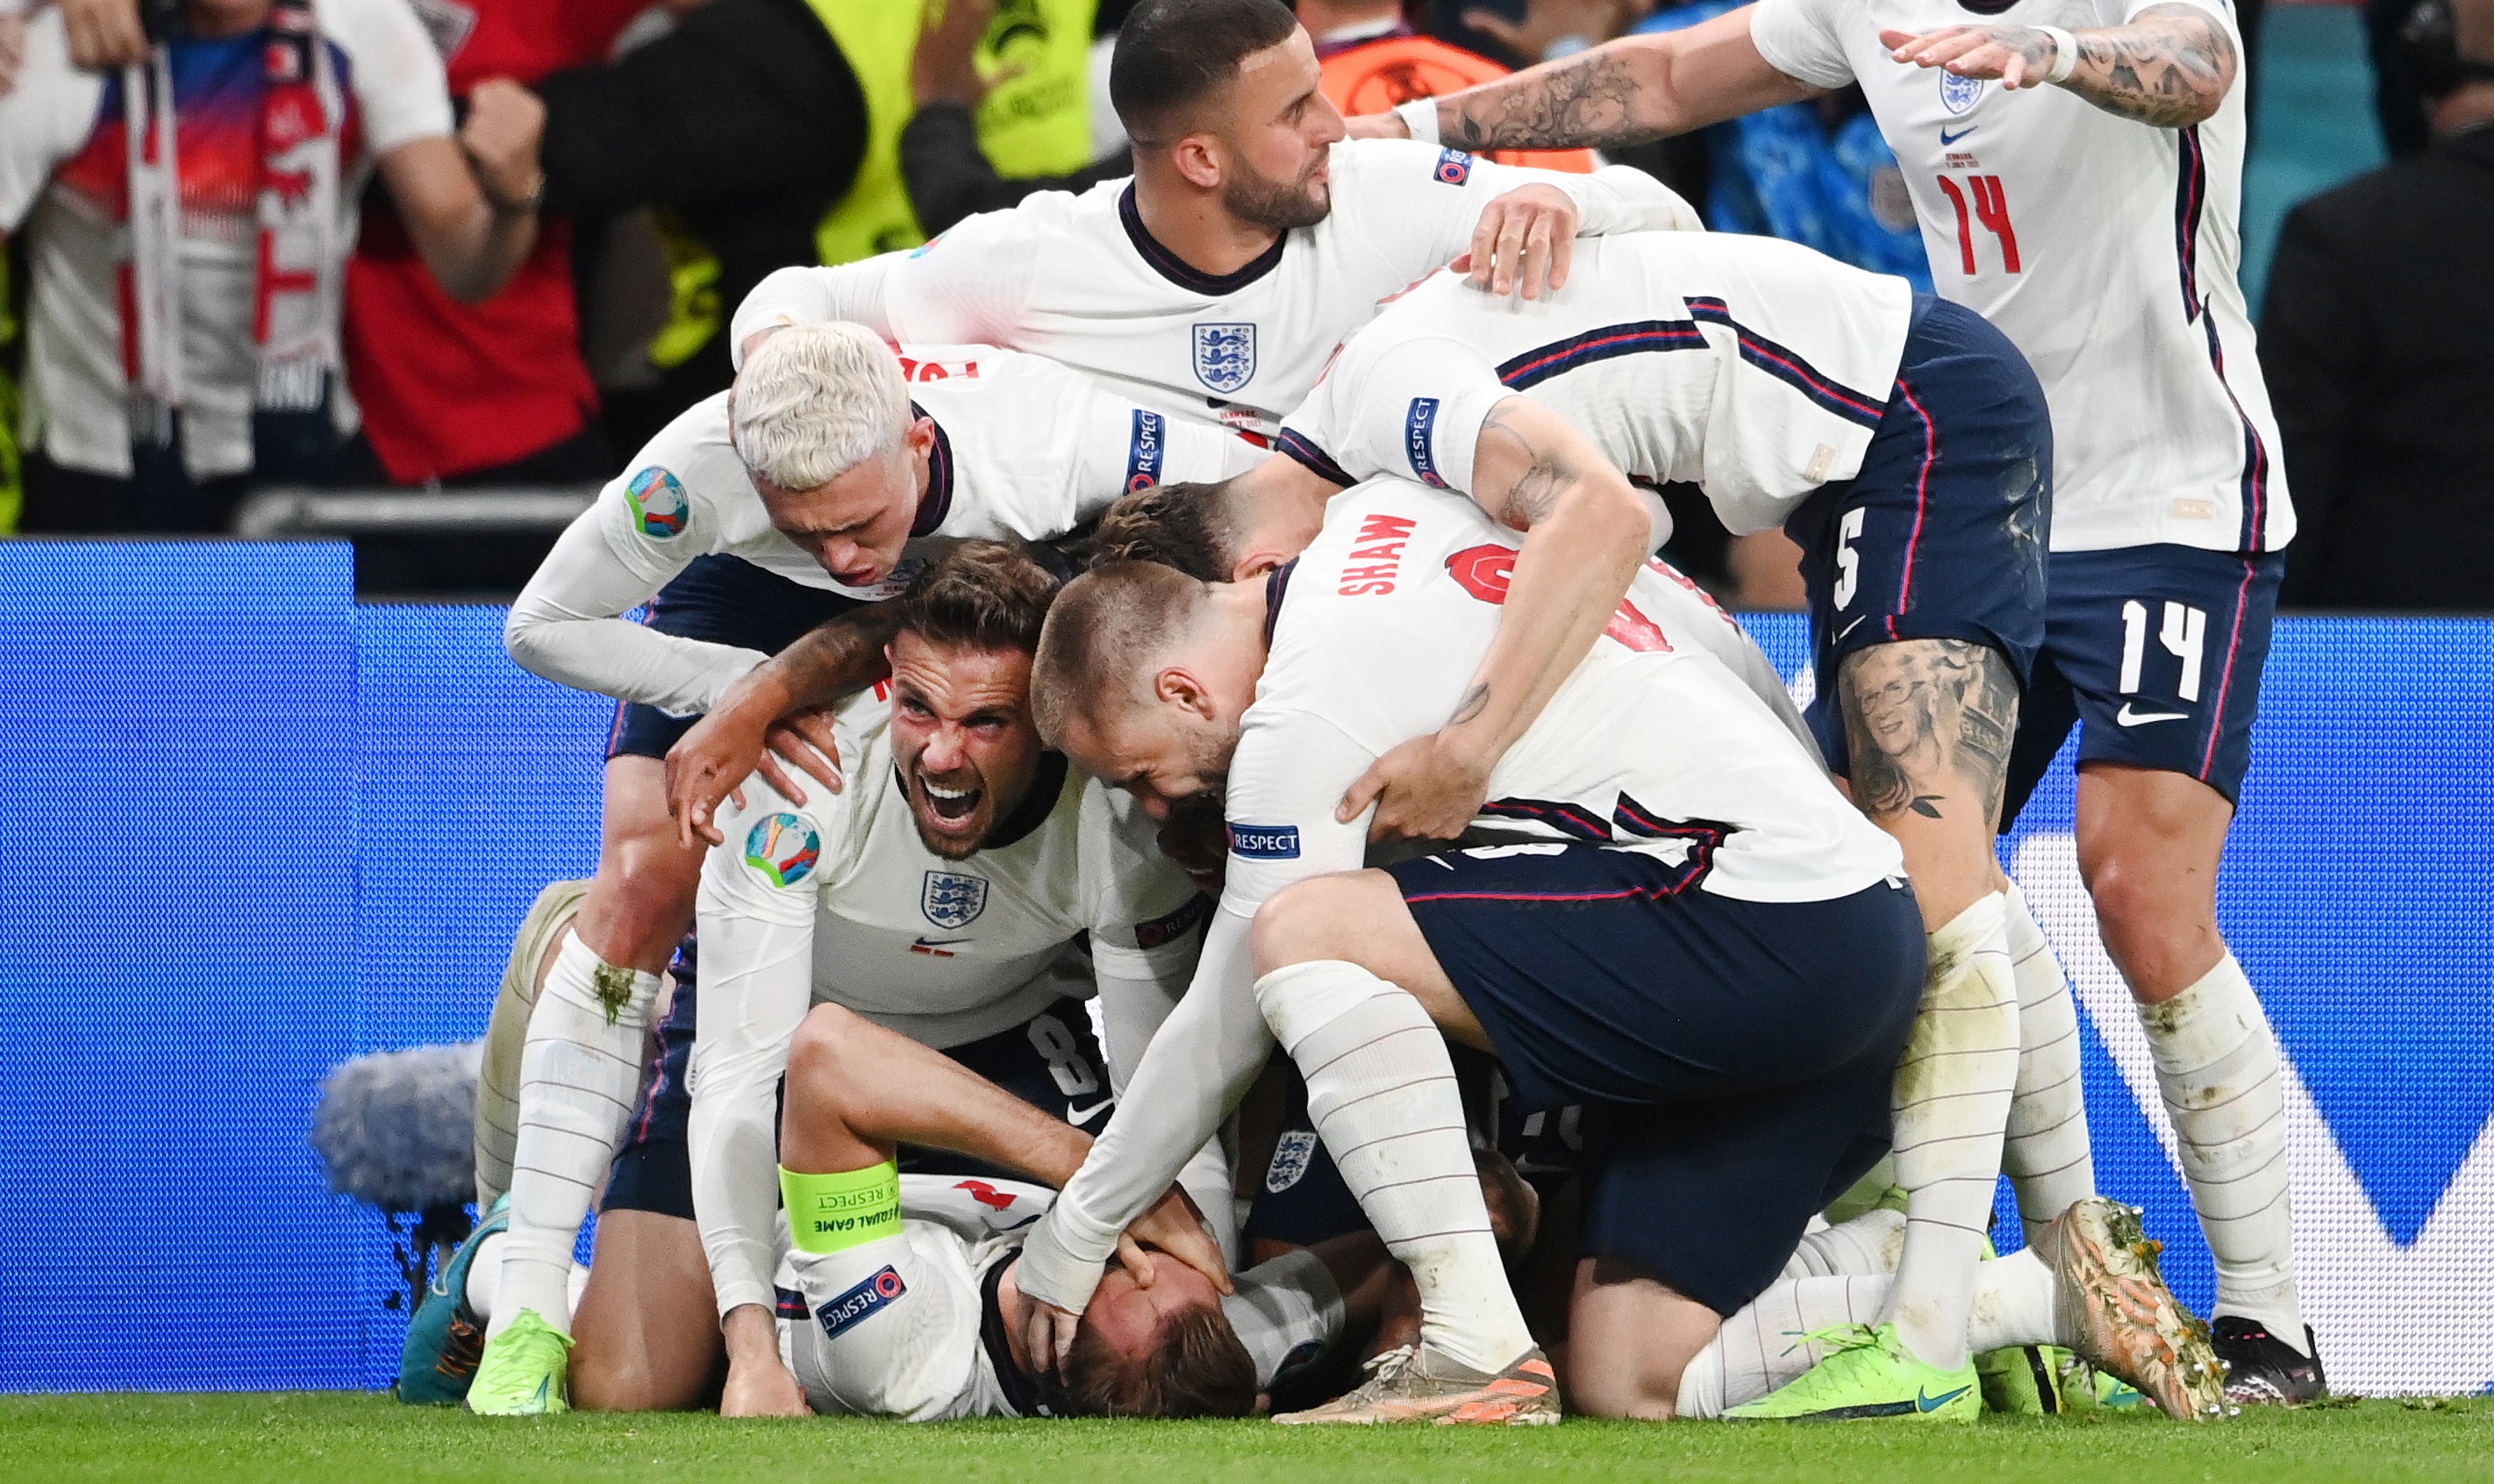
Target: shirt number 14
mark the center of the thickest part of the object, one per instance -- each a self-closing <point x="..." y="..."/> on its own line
<point x="1991" y="209"/>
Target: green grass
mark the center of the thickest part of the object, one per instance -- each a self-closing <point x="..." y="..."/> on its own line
<point x="344" y="1438"/>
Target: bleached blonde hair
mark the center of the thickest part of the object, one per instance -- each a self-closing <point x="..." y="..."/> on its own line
<point x="816" y="400"/>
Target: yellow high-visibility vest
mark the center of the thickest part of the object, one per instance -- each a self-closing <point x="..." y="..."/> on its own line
<point x="1037" y="122"/>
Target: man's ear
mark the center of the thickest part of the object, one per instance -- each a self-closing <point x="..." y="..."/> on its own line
<point x="919" y="436"/>
<point x="1199" y="158"/>
<point x="1177" y="686"/>
<point x="1257" y="564"/>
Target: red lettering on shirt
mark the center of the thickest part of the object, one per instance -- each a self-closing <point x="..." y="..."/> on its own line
<point x="1379" y="542"/>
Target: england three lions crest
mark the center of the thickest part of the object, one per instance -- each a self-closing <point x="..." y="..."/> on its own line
<point x="953" y="898"/>
<point x="1225" y="356"/>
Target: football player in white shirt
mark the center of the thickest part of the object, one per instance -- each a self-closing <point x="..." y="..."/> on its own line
<point x="1250" y="241"/>
<point x="938" y="897"/>
<point x="1682" y="825"/>
<point x="2078" y="168"/>
<point x="754" y="518"/>
<point x="1903" y="442"/>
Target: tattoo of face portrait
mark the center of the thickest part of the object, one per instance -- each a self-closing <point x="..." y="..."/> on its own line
<point x="1582" y="103"/>
<point x="1928" y="722"/>
<point x="2168" y="67"/>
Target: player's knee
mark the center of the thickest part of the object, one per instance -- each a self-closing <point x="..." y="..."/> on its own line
<point x="819" y="1059"/>
<point x="1304" y="921"/>
<point x="1619" y="1391"/>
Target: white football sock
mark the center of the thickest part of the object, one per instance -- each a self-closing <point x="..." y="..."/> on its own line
<point x="485" y="1276"/>
<point x="2218" y="1070"/>
<point x="1766" y="1344"/>
<point x="1951" y="1105"/>
<point x="577" y="1081"/>
<point x="2046" y="1153"/>
<point x="1869" y="1243"/>
<point x="507" y="1035"/>
<point x="1381" y="1093"/>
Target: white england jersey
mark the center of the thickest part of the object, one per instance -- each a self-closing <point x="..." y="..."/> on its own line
<point x="1652" y="745"/>
<point x="1753" y="368"/>
<point x="838" y="900"/>
<point x="1079" y="279"/>
<point x="1024" y="448"/>
<point x="909" y="1326"/>
<point x="2104" y="248"/>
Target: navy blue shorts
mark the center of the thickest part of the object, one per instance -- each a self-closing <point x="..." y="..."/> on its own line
<point x="1050" y="1061"/>
<point x="1734" y="1057"/>
<point x="1941" y="534"/>
<point x="2158" y="650"/>
<point x="720" y="600"/>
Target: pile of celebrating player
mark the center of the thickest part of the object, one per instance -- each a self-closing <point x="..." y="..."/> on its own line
<point x="1375" y="945"/>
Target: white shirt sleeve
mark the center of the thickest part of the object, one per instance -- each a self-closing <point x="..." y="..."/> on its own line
<point x="1143" y="916"/>
<point x="1418" y="204"/>
<point x="2224" y="12"/>
<point x="1801" y="39"/>
<point x="45" y="121"/>
<point x="1288" y="773"/>
<point x="1409" y="407"/>
<point x="966" y="287"/>
<point x="757" y="982"/>
<point x="397" y="77"/>
<point x="566" y="625"/>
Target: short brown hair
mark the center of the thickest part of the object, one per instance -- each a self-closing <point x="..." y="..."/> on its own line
<point x="1199" y="1368"/>
<point x="1100" y="632"/>
<point x="980" y="595"/>
<point x="1172" y="54"/>
<point x="1183" y="526"/>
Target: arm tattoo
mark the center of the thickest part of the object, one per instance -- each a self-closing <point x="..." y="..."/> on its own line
<point x="2171" y="67"/>
<point x="1928" y="722"/>
<point x="1537" y="491"/>
<point x="1475" y="700"/>
<point x="840" y="657"/>
<point x="1585" y="100"/>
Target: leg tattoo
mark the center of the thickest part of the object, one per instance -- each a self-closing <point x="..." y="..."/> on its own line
<point x="1929" y="723"/>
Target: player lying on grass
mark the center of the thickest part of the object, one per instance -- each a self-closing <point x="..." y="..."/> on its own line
<point x="1685" y="911"/>
<point x="893" y="1291"/>
<point x="944" y="895"/>
<point x="1225" y="533"/>
<point x="1904" y="445"/>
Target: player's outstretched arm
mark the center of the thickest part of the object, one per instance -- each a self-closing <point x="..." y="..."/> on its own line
<point x="566" y="625"/>
<point x="1622" y="92"/>
<point x="779" y="710"/>
<point x="1586" y="530"/>
<point x="2171" y="65"/>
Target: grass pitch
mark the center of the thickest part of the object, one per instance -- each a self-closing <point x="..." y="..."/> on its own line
<point x="347" y="1438"/>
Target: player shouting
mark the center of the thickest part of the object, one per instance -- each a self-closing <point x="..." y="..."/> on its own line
<point x="2078" y="168"/>
<point x="752" y="518"/>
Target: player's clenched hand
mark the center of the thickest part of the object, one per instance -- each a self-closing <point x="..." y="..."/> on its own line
<point x="1174" y="1226"/>
<point x="1524" y="240"/>
<point x="2018" y="55"/>
<point x="1047" y="1334"/>
<point x="762" y="1388"/>
<point x="1429" y="788"/>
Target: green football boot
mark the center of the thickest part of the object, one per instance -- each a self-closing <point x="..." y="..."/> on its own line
<point x="2042" y="1381"/>
<point x="1867" y="1372"/>
<point x="523" y="1372"/>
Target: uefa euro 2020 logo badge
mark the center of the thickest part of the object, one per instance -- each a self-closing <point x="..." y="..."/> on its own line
<point x="954" y="898"/>
<point x="1225" y="356"/>
<point x="783" y="848"/>
<point x="1959" y="94"/>
<point x="658" y="504"/>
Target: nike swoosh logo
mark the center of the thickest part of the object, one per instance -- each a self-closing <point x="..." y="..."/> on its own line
<point x="1924" y="1400"/>
<point x="1079" y="1116"/>
<point x="1848" y="628"/>
<point x="2131" y="719"/>
<point x="1947" y="138"/>
<point x="940" y="942"/>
